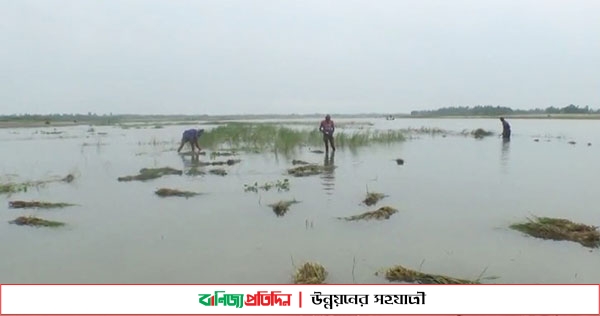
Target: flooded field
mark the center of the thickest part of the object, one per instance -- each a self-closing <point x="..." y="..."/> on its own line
<point x="455" y="198"/>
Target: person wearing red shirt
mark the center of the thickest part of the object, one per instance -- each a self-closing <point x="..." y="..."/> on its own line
<point x="327" y="128"/>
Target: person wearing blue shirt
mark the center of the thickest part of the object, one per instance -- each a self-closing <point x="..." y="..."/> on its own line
<point x="191" y="136"/>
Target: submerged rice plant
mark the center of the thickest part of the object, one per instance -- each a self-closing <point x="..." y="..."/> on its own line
<point x="271" y="137"/>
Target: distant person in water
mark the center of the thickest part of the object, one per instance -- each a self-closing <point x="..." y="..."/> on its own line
<point x="191" y="136"/>
<point x="505" y="129"/>
<point x="327" y="128"/>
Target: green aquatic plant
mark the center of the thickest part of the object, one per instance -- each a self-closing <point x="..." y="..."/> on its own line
<point x="280" y="185"/>
<point x="265" y="137"/>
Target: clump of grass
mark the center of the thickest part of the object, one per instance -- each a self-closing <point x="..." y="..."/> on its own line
<point x="401" y="274"/>
<point x="310" y="273"/>
<point x="307" y="170"/>
<point x="560" y="229"/>
<point x="382" y="213"/>
<point x="299" y="162"/>
<point x="372" y="198"/>
<point x="481" y="133"/>
<point x="35" y="222"/>
<point x="165" y="192"/>
<point x="151" y="173"/>
<point x="218" y="172"/>
<point x="281" y="185"/>
<point x="37" y="204"/>
<point x="282" y="207"/>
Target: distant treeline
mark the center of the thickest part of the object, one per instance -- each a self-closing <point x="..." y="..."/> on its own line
<point x="489" y="110"/>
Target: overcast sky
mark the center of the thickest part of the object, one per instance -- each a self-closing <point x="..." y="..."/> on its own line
<point x="251" y="56"/>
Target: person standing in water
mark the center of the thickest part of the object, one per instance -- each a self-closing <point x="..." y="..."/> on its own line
<point x="191" y="136"/>
<point x="505" y="129"/>
<point x="327" y="128"/>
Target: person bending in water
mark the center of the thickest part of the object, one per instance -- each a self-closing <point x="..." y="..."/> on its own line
<point x="505" y="129"/>
<point x="191" y="136"/>
<point x="327" y="128"/>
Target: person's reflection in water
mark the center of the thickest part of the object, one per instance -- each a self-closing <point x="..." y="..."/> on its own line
<point x="504" y="154"/>
<point x="328" y="175"/>
<point x="193" y="162"/>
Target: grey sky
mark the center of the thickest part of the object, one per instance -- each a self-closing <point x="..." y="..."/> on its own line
<point x="250" y="56"/>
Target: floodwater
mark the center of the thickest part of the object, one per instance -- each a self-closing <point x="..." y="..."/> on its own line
<point x="456" y="197"/>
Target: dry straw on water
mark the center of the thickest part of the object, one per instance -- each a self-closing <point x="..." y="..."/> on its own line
<point x="402" y="274"/>
<point x="35" y="222"/>
<point x="382" y="213"/>
<point x="282" y="207"/>
<point x="37" y="204"/>
<point x="372" y="198"/>
<point x="560" y="229"/>
<point x="310" y="273"/>
<point x="165" y="192"/>
<point x="306" y="170"/>
<point x="218" y="172"/>
<point x="151" y="173"/>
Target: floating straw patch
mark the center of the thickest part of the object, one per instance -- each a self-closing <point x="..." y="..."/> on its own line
<point x="560" y="229"/>
<point x="165" y="192"/>
<point x="282" y="207"/>
<point x="372" y="198"/>
<point x="310" y="273"/>
<point x="36" y="204"/>
<point x="382" y="213"/>
<point x="402" y="274"/>
<point x="151" y="173"/>
<point x="35" y="222"/>
<point x="218" y="172"/>
<point x="307" y="170"/>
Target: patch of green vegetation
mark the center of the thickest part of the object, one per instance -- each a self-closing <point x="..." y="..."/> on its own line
<point x="402" y="274"/>
<point x="35" y="222"/>
<point x="310" y="273"/>
<point x="165" y="192"/>
<point x="560" y="229"/>
<point x="282" y="207"/>
<point x="264" y="136"/>
<point x="382" y="213"/>
<point x="151" y="173"/>
<point x="281" y="185"/>
<point x="37" y="204"/>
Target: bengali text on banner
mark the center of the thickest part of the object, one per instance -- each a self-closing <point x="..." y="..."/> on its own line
<point x="299" y="299"/>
